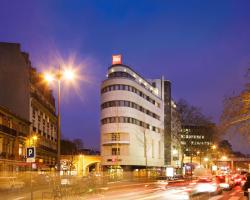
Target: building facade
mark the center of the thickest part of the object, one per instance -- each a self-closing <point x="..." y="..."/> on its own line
<point x="176" y="149"/>
<point x="13" y="133"/>
<point x="43" y="120"/>
<point x="164" y="86"/>
<point x="23" y="92"/>
<point x="197" y="141"/>
<point x="132" y="120"/>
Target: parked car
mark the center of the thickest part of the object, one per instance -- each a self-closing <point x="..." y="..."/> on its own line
<point x="10" y="183"/>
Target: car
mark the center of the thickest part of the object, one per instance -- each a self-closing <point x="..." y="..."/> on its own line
<point x="206" y="185"/>
<point x="237" y="179"/>
<point x="225" y="182"/>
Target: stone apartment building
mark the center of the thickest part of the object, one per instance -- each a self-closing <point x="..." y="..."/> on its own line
<point x="25" y="95"/>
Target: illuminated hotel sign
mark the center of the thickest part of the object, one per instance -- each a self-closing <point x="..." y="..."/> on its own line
<point x="116" y="59"/>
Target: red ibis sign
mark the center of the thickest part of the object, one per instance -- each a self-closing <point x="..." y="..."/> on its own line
<point x="116" y="59"/>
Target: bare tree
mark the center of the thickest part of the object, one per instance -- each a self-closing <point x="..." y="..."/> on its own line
<point x="236" y="111"/>
<point x="191" y="116"/>
<point x="78" y="143"/>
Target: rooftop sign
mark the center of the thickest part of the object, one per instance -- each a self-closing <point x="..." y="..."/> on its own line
<point x="116" y="59"/>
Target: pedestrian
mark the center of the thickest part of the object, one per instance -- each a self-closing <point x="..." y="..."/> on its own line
<point x="246" y="186"/>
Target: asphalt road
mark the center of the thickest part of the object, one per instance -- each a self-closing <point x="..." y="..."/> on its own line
<point x="130" y="191"/>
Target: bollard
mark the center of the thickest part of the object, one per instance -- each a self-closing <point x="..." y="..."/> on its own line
<point x="248" y="190"/>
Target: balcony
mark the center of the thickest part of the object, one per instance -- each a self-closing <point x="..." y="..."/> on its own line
<point x="11" y="131"/>
<point x="8" y="130"/>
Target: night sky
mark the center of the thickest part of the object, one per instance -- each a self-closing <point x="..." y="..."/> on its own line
<point x="203" y="47"/>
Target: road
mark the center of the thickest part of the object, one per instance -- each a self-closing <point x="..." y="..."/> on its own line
<point x="133" y="191"/>
<point x="156" y="192"/>
<point x="153" y="191"/>
<point x="235" y="194"/>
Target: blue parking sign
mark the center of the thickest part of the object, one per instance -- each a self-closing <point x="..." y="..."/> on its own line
<point x="31" y="154"/>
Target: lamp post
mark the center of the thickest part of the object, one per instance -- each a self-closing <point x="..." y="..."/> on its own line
<point x="214" y="154"/>
<point x="31" y="142"/>
<point x="206" y="161"/>
<point x="199" y="153"/>
<point x="58" y="76"/>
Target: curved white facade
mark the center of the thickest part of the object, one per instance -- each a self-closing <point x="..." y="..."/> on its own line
<point x="132" y="120"/>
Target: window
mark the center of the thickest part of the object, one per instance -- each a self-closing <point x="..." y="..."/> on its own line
<point x="121" y="103"/>
<point x="126" y="120"/>
<point x="20" y="149"/>
<point x="159" y="150"/>
<point x="129" y="120"/>
<point x="115" y="136"/>
<point x="115" y="151"/>
<point x="1" y="145"/>
<point x="152" y="148"/>
<point x="126" y="103"/>
<point x="112" y="120"/>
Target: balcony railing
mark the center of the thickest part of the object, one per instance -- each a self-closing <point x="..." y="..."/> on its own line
<point x="11" y="131"/>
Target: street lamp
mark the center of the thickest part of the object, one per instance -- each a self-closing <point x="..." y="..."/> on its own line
<point x="224" y="158"/>
<point x="34" y="137"/>
<point x="175" y="152"/>
<point x="31" y="141"/>
<point x="59" y="75"/>
<point x="199" y="153"/>
<point x="206" y="159"/>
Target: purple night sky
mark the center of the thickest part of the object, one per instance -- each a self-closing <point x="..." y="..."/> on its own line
<point x="201" y="46"/>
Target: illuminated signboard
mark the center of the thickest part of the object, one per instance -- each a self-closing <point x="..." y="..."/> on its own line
<point x="116" y="59"/>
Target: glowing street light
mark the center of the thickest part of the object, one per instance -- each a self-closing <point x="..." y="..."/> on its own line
<point x="34" y="137"/>
<point x="214" y="147"/>
<point x="31" y="141"/>
<point x="59" y="75"/>
<point x="175" y="152"/>
<point x="224" y="157"/>
<point x="206" y="159"/>
<point x="48" y="77"/>
<point x="68" y="74"/>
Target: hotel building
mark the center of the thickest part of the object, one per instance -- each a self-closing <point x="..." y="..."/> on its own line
<point x="133" y="119"/>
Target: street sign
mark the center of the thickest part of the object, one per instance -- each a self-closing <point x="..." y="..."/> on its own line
<point x="31" y="154"/>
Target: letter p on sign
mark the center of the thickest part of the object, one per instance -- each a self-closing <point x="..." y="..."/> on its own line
<point x="30" y="154"/>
